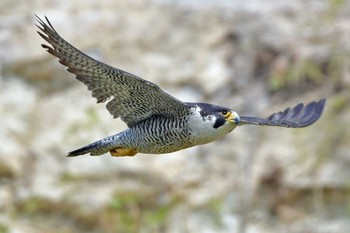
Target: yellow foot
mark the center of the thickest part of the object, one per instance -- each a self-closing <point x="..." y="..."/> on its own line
<point x="123" y="152"/>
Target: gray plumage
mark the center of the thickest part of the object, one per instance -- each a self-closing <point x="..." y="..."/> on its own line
<point x="157" y="122"/>
<point x="129" y="97"/>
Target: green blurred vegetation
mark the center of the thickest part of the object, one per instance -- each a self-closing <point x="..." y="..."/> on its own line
<point x="133" y="211"/>
<point x="127" y="211"/>
<point x="4" y="228"/>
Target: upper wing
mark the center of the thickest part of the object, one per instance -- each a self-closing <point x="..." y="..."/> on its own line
<point x="297" y="117"/>
<point x="129" y="97"/>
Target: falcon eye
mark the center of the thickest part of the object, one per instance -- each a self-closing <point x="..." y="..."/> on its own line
<point x="224" y="112"/>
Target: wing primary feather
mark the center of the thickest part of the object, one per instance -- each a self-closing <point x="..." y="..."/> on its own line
<point x="127" y="96"/>
<point x="296" y="117"/>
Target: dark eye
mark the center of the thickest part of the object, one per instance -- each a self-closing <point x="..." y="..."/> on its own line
<point x="224" y="112"/>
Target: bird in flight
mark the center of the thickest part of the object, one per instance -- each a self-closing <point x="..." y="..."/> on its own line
<point x="157" y="122"/>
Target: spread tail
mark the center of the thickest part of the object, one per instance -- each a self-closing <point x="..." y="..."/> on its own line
<point x="96" y="148"/>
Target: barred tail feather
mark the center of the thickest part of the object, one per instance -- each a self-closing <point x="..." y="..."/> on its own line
<point x="96" y="148"/>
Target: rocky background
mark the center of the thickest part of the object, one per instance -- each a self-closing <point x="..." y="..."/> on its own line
<point x="257" y="57"/>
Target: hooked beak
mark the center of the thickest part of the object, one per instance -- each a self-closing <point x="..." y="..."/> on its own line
<point x="233" y="118"/>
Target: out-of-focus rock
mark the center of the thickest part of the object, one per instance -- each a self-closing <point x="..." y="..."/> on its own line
<point x="256" y="58"/>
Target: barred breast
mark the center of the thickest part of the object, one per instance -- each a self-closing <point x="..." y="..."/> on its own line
<point x="158" y="135"/>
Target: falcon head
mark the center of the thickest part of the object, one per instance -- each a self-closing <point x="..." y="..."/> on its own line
<point x="224" y="116"/>
<point x="209" y="122"/>
<point x="217" y="116"/>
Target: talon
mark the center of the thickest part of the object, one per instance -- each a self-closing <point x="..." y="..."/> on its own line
<point x="117" y="152"/>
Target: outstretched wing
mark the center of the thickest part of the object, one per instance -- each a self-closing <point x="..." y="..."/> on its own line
<point x="129" y="97"/>
<point x="297" y="117"/>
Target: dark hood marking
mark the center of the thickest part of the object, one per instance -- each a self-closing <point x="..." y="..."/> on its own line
<point x="219" y="122"/>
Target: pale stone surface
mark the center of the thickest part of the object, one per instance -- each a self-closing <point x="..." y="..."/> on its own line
<point x="224" y="52"/>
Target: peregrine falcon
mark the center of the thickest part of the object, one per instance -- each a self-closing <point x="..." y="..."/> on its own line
<point x="157" y="122"/>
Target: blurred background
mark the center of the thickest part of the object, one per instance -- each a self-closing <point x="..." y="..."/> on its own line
<point x="257" y="57"/>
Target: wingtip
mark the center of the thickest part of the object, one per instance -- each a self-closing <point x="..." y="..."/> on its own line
<point x="317" y="108"/>
<point x="320" y="106"/>
<point x="322" y="102"/>
<point x="71" y="155"/>
<point x="38" y="19"/>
